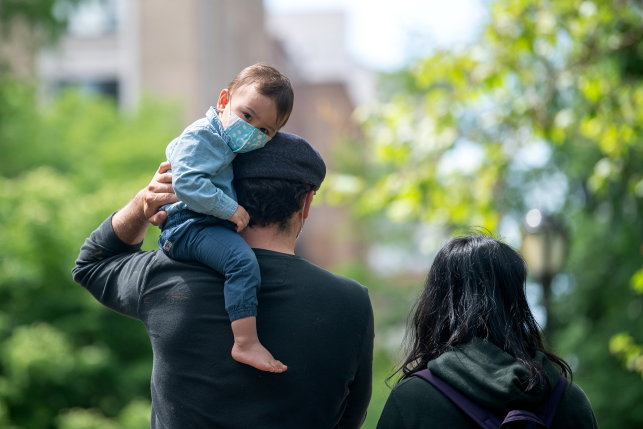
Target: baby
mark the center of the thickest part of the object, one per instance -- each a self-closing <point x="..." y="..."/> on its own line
<point x="201" y="227"/>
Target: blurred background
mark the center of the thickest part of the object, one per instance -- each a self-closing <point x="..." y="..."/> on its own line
<point x="521" y="118"/>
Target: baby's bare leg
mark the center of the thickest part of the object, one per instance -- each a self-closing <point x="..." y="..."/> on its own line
<point x="247" y="348"/>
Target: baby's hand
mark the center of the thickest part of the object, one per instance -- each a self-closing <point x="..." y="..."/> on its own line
<point x="240" y="218"/>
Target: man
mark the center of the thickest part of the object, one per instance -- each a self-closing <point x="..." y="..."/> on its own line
<point x="317" y="323"/>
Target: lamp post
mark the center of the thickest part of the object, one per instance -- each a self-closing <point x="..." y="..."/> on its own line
<point x="544" y="247"/>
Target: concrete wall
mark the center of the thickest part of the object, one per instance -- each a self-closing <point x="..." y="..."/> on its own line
<point x="322" y="116"/>
<point x="191" y="50"/>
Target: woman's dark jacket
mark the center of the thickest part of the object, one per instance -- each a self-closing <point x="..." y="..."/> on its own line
<point x="490" y="377"/>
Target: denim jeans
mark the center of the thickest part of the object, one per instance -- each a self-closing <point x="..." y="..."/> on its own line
<point x="190" y="236"/>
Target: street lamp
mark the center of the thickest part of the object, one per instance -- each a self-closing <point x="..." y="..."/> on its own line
<point x="544" y="247"/>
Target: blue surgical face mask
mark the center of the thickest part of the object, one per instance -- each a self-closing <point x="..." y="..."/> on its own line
<point x="243" y="136"/>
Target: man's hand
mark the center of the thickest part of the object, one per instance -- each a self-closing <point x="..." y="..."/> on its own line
<point x="158" y="193"/>
<point x="240" y="218"/>
<point x="131" y="222"/>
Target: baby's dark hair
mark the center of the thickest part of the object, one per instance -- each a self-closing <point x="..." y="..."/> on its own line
<point x="270" y="82"/>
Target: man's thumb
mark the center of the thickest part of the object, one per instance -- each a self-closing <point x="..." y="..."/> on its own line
<point x="158" y="218"/>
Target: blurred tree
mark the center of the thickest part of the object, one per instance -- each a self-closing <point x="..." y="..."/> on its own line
<point x="36" y="13"/>
<point x="66" y="361"/>
<point x="544" y="112"/>
<point x="27" y="25"/>
<point x="58" y="349"/>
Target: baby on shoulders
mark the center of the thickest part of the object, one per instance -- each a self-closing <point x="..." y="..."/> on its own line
<point x="204" y="225"/>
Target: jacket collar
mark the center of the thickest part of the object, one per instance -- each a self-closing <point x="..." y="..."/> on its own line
<point x="213" y="119"/>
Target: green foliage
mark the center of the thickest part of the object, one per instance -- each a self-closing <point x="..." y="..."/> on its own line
<point x="66" y="361"/>
<point x="563" y="75"/>
<point x="637" y="281"/>
<point x="136" y="415"/>
<point x="38" y="14"/>
<point x="623" y="346"/>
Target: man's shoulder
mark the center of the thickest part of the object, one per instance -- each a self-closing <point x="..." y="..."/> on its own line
<point x="182" y="270"/>
<point x="336" y="282"/>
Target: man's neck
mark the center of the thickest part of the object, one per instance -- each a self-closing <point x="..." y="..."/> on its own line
<point x="269" y="238"/>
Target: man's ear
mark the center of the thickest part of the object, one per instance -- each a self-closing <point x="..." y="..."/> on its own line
<point x="224" y="99"/>
<point x="307" y="202"/>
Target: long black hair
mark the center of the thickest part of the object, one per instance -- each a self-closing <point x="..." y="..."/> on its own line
<point x="476" y="288"/>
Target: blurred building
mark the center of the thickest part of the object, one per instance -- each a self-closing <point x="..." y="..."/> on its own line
<point x="185" y="51"/>
<point x="188" y="51"/>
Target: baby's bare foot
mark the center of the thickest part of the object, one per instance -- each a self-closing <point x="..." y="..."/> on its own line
<point x="256" y="355"/>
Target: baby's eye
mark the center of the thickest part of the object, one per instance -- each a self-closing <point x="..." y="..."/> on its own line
<point x="247" y="116"/>
<point x="265" y="131"/>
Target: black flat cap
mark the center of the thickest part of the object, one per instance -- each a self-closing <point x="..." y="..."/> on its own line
<point x="285" y="157"/>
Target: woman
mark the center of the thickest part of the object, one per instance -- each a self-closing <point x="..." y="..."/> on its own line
<point x="472" y="328"/>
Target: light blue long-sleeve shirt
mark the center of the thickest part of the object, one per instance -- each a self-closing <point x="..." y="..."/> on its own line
<point x="202" y="169"/>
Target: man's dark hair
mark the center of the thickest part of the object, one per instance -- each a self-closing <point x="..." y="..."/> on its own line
<point x="269" y="82"/>
<point x="272" y="201"/>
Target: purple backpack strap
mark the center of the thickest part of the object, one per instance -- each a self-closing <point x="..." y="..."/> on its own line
<point x="544" y="417"/>
<point x="479" y="414"/>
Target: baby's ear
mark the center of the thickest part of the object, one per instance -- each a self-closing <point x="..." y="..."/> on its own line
<point x="224" y="99"/>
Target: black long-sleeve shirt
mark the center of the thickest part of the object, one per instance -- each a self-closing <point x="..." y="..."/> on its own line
<point x="317" y="323"/>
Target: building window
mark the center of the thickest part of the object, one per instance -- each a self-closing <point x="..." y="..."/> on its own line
<point x="92" y="18"/>
<point x="107" y="88"/>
